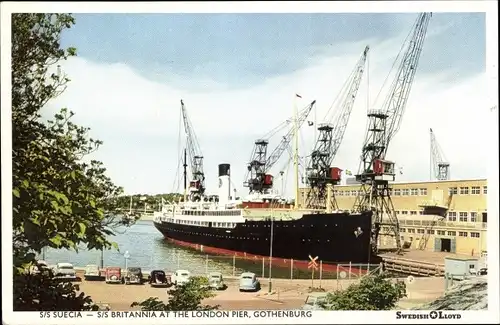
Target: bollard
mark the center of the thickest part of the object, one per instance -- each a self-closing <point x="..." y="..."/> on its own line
<point x="291" y="269"/>
<point x="263" y="267"/>
<point x="350" y="267"/>
<point x="234" y="264"/>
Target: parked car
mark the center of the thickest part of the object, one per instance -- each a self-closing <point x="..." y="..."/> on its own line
<point x="315" y="301"/>
<point x="159" y="278"/>
<point x="92" y="272"/>
<point x="181" y="277"/>
<point x="215" y="281"/>
<point x="114" y="275"/>
<point x="249" y="282"/>
<point x="483" y="271"/>
<point x="133" y="275"/>
<point x="64" y="271"/>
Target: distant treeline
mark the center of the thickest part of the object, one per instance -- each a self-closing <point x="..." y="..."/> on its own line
<point x="141" y="201"/>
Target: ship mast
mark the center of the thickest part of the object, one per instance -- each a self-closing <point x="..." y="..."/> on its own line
<point x="296" y="151"/>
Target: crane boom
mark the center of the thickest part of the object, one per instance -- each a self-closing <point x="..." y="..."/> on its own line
<point x="260" y="163"/>
<point x="440" y="168"/>
<point x="319" y="171"/>
<point x="197" y="184"/>
<point x="375" y="171"/>
<point x="287" y="138"/>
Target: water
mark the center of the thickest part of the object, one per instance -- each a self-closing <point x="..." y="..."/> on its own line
<point x="147" y="249"/>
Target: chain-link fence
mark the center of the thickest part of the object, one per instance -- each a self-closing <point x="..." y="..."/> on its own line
<point x="199" y="264"/>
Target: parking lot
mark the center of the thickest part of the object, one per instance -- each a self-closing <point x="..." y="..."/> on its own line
<point x="286" y="294"/>
<point x="120" y="296"/>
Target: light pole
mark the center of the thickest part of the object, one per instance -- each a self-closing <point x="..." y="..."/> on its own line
<point x="271" y="252"/>
<point x="127" y="256"/>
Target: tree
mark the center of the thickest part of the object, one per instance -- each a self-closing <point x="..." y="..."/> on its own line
<point x="373" y="292"/>
<point x="59" y="200"/>
<point x="182" y="298"/>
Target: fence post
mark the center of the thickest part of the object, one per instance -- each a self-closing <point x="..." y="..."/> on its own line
<point x="291" y="269"/>
<point x="263" y="267"/>
<point x="206" y="264"/>
<point x="320" y="272"/>
<point x="350" y="268"/>
<point x="234" y="264"/>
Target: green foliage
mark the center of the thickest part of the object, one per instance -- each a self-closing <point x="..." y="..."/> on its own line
<point x="139" y="200"/>
<point x="182" y="298"/>
<point x="39" y="292"/>
<point x="59" y="200"/>
<point x="374" y="292"/>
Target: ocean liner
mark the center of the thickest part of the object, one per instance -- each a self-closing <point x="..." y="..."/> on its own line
<point x="224" y="227"/>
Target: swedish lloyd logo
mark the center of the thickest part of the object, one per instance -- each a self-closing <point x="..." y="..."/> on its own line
<point x="435" y="314"/>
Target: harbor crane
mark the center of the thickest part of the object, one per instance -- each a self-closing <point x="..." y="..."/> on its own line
<point x="319" y="172"/>
<point x="258" y="179"/>
<point x="197" y="183"/>
<point x="440" y="168"/>
<point x="375" y="171"/>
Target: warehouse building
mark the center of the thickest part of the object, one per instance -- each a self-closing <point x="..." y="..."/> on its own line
<point x="462" y="227"/>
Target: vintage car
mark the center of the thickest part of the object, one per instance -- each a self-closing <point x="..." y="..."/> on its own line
<point x="315" y="301"/>
<point x="92" y="272"/>
<point x="181" y="277"/>
<point x="114" y="274"/>
<point x="159" y="278"/>
<point x="249" y="282"/>
<point x="133" y="275"/>
<point x="64" y="272"/>
<point x="215" y="281"/>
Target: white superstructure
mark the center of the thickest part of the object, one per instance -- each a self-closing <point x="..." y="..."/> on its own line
<point x="223" y="212"/>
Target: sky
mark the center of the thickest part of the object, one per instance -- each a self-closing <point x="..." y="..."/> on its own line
<point x="238" y="75"/>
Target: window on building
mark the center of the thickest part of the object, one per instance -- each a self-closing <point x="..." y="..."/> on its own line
<point x="420" y="231"/>
<point x="396" y="212"/>
<point x="452" y="190"/>
<point x="462" y="234"/>
<point x="403" y="229"/>
<point x="397" y="192"/>
<point x="354" y="192"/>
<point x="473" y="217"/>
<point x="464" y="190"/>
<point x="441" y="232"/>
<point x="452" y="216"/>
<point x="411" y="230"/>
<point x="430" y="231"/>
<point x="413" y="213"/>
<point x="340" y="193"/>
<point x="463" y="217"/>
<point x="452" y="233"/>
<point x="404" y="212"/>
<point x="421" y="212"/>
<point x="485" y="217"/>
<point x="414" y="191"/>
<point x="423" y="191"/>
<point x="474" y="234"/>
<point x="405" y="192"/>
<point x="476" y="190"/>
<point x="485" y="190"/>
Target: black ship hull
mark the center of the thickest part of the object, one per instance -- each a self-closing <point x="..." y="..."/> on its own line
<point x="333" y="237"/>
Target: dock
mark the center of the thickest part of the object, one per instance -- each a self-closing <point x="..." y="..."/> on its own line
<point x="417" y="262"/>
